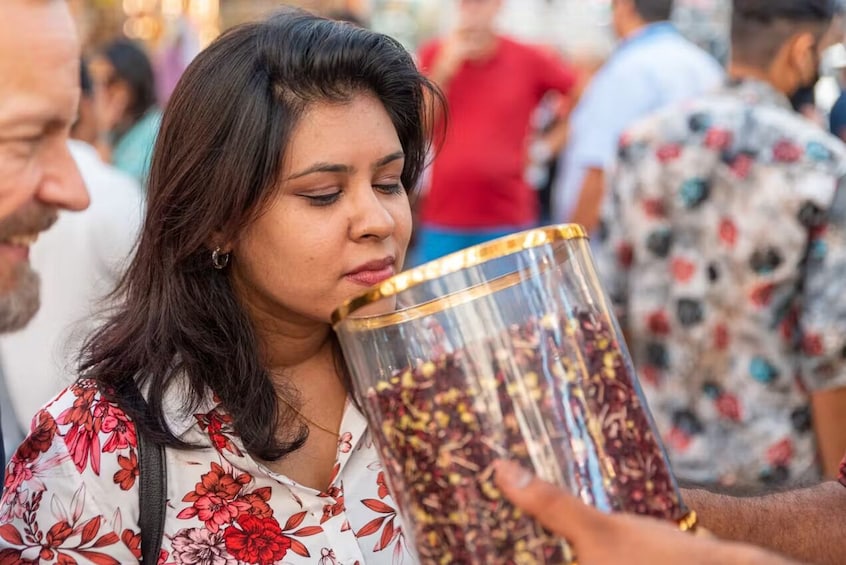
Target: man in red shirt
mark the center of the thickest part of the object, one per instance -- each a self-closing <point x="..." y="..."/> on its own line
<point x="493" y="85"/>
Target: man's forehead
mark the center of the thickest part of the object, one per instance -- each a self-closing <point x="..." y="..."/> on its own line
<point x="39" y="61"/>
<point x="34" y="24"/>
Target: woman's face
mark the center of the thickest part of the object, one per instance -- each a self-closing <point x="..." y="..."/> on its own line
<point x="340" y="221"/>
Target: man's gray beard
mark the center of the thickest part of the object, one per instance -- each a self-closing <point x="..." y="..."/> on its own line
<point x="19" y="306"/>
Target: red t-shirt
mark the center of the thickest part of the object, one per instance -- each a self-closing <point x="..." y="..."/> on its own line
<point x="843" y="472"/>
<point x="477" y="176"/>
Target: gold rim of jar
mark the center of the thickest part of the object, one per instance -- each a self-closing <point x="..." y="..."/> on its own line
<point x="467" y="258"/>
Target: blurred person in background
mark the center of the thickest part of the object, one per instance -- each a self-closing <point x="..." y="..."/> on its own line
<point x="807" y="100"/>
<point x="131" y="117"/>
<point x="653" y="66"/>
<point x="837" y="116"/>
<point x="724" y="251"/>
<point x="39" y="93"/>
<point x="493" y="85"/>
<point x="38" y="360"/>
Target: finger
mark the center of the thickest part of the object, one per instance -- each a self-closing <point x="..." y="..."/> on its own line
<point x="556" y="510"/>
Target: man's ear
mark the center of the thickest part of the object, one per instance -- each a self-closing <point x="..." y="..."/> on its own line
<point x="802" y="57"/>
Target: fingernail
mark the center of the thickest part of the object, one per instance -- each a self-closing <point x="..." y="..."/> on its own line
<point x="513" y="474"/>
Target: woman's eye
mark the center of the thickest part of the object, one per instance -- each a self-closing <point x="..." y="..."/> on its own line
<point x="395" y="188"/>
<point x="323" y="199"/>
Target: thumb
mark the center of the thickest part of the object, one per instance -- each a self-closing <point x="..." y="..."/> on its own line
<point x="556" y="510"/>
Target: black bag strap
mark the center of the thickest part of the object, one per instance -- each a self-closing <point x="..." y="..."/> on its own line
<point x="152" y="486"/>
<point x="152" y="498"/>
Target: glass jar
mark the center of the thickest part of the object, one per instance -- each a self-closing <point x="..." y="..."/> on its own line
<point x="504" y="350"/>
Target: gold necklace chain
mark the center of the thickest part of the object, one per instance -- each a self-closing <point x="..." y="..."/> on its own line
<point x="308" y="420"/>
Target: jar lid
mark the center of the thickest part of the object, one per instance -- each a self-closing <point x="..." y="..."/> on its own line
<point x="464" y="259"/>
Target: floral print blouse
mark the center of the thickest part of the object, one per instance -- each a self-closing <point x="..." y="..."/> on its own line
<point x="723" y="248"/>
<point x="71" y="496"/>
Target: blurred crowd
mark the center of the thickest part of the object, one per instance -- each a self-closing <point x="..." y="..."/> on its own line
<point x="707" y="165"/>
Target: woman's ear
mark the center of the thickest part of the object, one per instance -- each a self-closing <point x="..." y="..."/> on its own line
<point x="221" y="242"/>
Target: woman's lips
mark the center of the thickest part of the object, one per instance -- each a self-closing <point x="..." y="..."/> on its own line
<point x="371" y="278"/>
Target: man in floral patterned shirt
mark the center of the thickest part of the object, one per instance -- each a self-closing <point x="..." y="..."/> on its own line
<point x="724" y="248"/>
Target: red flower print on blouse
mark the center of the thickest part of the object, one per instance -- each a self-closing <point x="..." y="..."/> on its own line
<point x="67" y="538"/>
<point x="335" y="508"/>
<point x="122" y="430"/>
<point x="345" y="442"/>
<point x="40" y="439"/>
<point x="217" y="426"/>
<point x="382" y="484"/>
<point x="214" y="498"/>
<point x="85" y="418"/>
<point x="258" y="502"/>
<point x="291" y="532"/>
<point x="390" y="533"/>
<point x="128" y="470"/>
<point x="256" y="540"/>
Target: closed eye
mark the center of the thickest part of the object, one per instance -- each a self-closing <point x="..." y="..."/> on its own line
<point x="389" y="188"/>
<point x="323" y="199"/>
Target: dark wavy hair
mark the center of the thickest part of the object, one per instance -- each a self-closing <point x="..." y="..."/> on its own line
<point x="216" y="164"/>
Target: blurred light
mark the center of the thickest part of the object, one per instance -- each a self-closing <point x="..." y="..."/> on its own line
<point x="142" y="27"/>
<point x="131" y="7"/>
<point x="203" y="9"/>
<point x="171" y="8"/>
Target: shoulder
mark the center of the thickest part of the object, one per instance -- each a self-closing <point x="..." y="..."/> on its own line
<point x="69" y="481"/>
<point x="82" y="426"/>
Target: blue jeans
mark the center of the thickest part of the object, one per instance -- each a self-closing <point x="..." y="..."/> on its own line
<point x="434" y="243"/>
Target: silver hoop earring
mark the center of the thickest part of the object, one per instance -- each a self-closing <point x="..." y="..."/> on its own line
<point x="219" y="260"/>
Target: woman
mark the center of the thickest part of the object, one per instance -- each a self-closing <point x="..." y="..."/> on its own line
<point x="130" y="115"/>
<point x="277" y="191"/>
